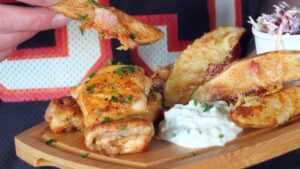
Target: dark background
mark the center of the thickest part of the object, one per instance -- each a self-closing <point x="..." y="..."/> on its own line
<point x="18" y="117"/>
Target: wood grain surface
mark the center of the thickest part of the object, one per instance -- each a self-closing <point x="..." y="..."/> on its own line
<point x="251" y="147"/>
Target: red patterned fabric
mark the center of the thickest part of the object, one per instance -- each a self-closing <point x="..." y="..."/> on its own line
<point x="43" y="73"/>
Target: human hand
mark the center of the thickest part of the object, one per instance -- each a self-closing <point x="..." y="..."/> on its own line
<point x="17" y="24"/>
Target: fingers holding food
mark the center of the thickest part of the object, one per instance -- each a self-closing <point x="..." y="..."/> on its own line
<point x="29" y="19"/>
<point x="109" y="22"/>
<point x="263" y="74"/>
<point x="268" y="111"/>
<point x="200" y="61"/>
<point x="14" y="39"/>
<point x="6" y="52"/>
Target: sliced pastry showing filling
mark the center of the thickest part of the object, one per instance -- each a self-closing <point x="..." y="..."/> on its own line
<point x="64" y="115"/>
<point x="260" y="75"/>
<point x="269" y="110"/>
<point x="123" y="136"/>
<point x="109" y="22"/>
<point x="199" y="62"/>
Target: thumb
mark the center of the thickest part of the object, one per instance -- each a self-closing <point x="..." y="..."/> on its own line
<point x="29" y="19"/>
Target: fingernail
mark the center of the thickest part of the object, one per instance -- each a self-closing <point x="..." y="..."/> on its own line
<point x="60" y="20"/>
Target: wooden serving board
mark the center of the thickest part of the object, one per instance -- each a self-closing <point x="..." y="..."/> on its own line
<point x="251" y="147"/>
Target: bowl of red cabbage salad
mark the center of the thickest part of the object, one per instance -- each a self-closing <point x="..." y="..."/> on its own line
<point x="278" y="30"/>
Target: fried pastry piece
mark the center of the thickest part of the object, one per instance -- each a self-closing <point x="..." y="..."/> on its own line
<point x="199" y="62"/>
<point x="256" y="75"/>
<point x="268" y="111"/>
<point x="112" y="93"/>
<point x="160" y="77"/>
<point x="109" y="22"/>
<point x="64" y="115"/>
<point x="124" y="136"/>
<point x="154" y="110"/>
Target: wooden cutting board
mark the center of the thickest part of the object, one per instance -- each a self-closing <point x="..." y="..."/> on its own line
<point x="251" y="147"/>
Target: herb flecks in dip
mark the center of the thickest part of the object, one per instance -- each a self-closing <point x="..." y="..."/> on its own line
<point x="198" y="125"/>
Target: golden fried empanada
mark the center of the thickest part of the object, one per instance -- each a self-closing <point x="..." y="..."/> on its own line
<point x="109" y="22"/>
<point x="199" y="62"/>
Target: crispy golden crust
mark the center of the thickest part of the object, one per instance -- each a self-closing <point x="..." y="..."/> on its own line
<point x="126" y="27"/>
<point x="154" y="111"/>
<point x="252" y="75"/>
<point x="272" y="110"/>
<point x="191" y="67"/>
<point x="111" y="95"/>
<point x="64" y="115"/>
<point x="160" y="77"/>
<point x="125" y="136"/>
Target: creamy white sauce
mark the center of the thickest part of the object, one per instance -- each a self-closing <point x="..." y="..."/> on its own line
<point x="189" y="126"/>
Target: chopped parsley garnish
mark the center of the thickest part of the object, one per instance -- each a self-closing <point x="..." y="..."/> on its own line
<point x="173" y="134"/>
<point x="120" y="96"/>
<point x="119" y="72"/>
<point x="129" y="69"/>
<point x="85" y="155"/>
<point x="207" y="107"/>
<point x="122" y="127"/>
<point x="118" y="113"/>
<point x="120" y="63"/>
<point x="127" y="99"/>
<point x="90" y="88"/>
<point x="105" y="119"/>
<point x="192" y="154"/>
<point x="99" y="112"/>
<point x="51" y="141"/>
<point x="82" y="17"/>
<point x="221" y="135"/>
<point x="108" y="63"/>
<point x="195" y="102"/>
<point x="132" y="36"/>
<point x="92" y="75"/>
<point x="124" y="69"/>
<point x="81" y="31"/>
<point x="92" y="2"/>
<point x="114" y="99"/>
<point x="112" y="84"/>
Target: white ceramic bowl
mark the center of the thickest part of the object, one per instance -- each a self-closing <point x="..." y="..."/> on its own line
<point x="266" y="43"/>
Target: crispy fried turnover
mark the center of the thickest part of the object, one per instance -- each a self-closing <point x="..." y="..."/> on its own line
<point x="64" y="115"/>
<point x="129" y="135"/>
<point x="109" y="22"/>
<point x="263" y="74"/>
<point x="199" y="62"/>
<point x="268" y="111"/>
